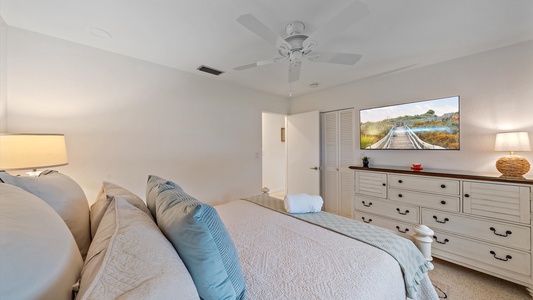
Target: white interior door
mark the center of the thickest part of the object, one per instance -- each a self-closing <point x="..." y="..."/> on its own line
<point x="303" y="153"/>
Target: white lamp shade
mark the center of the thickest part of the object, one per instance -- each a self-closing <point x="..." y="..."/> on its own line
<point x="31" y="151"/>
<point x="512" y="141"/>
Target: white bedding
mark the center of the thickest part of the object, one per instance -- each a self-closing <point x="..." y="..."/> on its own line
<point x="285" y="258"/>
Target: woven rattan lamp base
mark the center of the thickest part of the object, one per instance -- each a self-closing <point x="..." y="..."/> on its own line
<point x="512" y="166"/>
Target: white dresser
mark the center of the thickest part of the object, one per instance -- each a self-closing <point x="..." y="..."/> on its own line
<point x="480" y="221"/>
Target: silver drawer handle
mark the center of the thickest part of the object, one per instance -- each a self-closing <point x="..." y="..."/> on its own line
<point x="507" y="233"/>
<point x="437" y="240"/>
<point x="507" y="257"/>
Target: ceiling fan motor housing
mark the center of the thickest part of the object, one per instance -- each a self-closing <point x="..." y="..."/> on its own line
<point x="294" y="27"/>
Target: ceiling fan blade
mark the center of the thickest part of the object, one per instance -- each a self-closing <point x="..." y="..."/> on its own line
<point x="294" y="70"/>
<point x="254" y="25"/>
<point x="260" y="63"/>
<point x="334" y="58"/>
<point x="352" y="14"/>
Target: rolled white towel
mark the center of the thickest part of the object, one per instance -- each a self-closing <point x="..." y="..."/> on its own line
<point x="302" y="203"/>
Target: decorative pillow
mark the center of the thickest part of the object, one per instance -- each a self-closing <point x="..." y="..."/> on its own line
<point x="201" y="239"/>
<point x="107" y="193"/>
<point x="130" y="258"/>
<point x="65" y="196"/>
<point x="151" y="190"/>
<point x="39" y="258"/>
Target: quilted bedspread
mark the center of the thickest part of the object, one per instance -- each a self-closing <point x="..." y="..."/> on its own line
<point x="285" y="258"/>
<point x="412" y="262"/>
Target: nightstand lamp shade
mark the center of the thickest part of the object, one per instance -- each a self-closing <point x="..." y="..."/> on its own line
<point x="512" y="165"/>
<point x="32" y="151"/>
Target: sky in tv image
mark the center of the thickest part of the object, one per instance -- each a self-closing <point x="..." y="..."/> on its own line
<point x="425" y="125"/>
<point x="440" y="106"/>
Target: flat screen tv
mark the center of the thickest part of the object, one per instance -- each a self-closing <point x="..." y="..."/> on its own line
<point x="423" y="125"/>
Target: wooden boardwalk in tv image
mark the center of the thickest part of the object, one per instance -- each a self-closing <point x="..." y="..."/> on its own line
<point x="402" y="137"/>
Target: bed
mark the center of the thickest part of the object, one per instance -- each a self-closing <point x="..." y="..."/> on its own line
<point x="175" y="247"/>
<point x="295" y="258"/>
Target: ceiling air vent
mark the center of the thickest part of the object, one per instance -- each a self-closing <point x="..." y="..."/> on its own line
<point x="209" y="70"/>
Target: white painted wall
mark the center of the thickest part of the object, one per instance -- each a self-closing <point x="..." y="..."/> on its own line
<point x="3" y="75"/>
<point x="274" y="153"/>
<point x="124" y="119"/>
<point x="496" y="90"/>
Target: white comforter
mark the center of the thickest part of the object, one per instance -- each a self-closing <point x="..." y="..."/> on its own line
<point x="285" y="258"/>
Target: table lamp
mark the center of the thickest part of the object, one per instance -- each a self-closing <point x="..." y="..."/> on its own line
<point x="512" y="165"/>
<point x="32" y="151"/>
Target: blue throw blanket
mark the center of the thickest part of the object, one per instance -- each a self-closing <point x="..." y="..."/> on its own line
<point x="410" y="259"/>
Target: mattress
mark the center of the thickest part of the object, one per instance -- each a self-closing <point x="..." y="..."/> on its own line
<point x="286" y="258"/>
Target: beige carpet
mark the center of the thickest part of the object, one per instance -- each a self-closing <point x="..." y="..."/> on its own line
<point x="459" y="283"/>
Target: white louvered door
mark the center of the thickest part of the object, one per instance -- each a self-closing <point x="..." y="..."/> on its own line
<point x="330" y="162"/>
<point x="346" y="155"/>
<point x="337" y="156"/>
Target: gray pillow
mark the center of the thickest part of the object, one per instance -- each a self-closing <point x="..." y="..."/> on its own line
<point x="105" y="196"/>
<point x="201" y="239"/>
<point x="65" y="196"/>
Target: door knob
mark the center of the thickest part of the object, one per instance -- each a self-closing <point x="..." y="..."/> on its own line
<point x="314" y="168"/>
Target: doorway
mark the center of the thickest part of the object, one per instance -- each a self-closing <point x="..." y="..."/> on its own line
<point x="291" y="159"/>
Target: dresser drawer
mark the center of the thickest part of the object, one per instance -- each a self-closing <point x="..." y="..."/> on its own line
<point x="391" y="209"/>
<point x="448" y="203"/>
<point x="501" y="257"/>
<point x="500" y="201"/>
<point x="509" y="235"/>
<point x="432" y="185"/>
<point x="371" y="184"/>
<point x="401" y="228"/>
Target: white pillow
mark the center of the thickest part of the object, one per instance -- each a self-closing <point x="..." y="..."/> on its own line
<point x="65" y="196"/>
<point x="130" y="258"/>
<point x="107" y="193"/>
<point x="39" y="258"/>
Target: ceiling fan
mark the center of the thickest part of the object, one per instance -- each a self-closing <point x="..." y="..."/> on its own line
<point x="297" y="46"/>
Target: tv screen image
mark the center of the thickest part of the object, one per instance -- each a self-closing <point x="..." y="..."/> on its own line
<point x="423" y="125"/>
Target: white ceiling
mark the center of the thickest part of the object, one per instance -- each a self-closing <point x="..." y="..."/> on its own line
<point x="184" y="34"/>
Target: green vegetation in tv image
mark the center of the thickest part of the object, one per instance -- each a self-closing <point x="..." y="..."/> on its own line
<point x="424" y="125"/>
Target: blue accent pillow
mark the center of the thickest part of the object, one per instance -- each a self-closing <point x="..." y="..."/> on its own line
<point x="153" y="187"/>
<point x="201" y="240"/>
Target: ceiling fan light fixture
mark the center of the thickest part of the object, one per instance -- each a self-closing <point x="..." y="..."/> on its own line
<point x="296" y="56"/>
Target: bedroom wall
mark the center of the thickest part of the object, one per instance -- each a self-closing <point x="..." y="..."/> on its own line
<point x="274" y="153"/>
<point x="496" y="90"/>
<point x="124" y="119"/>
<point x="3" y="75"/>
